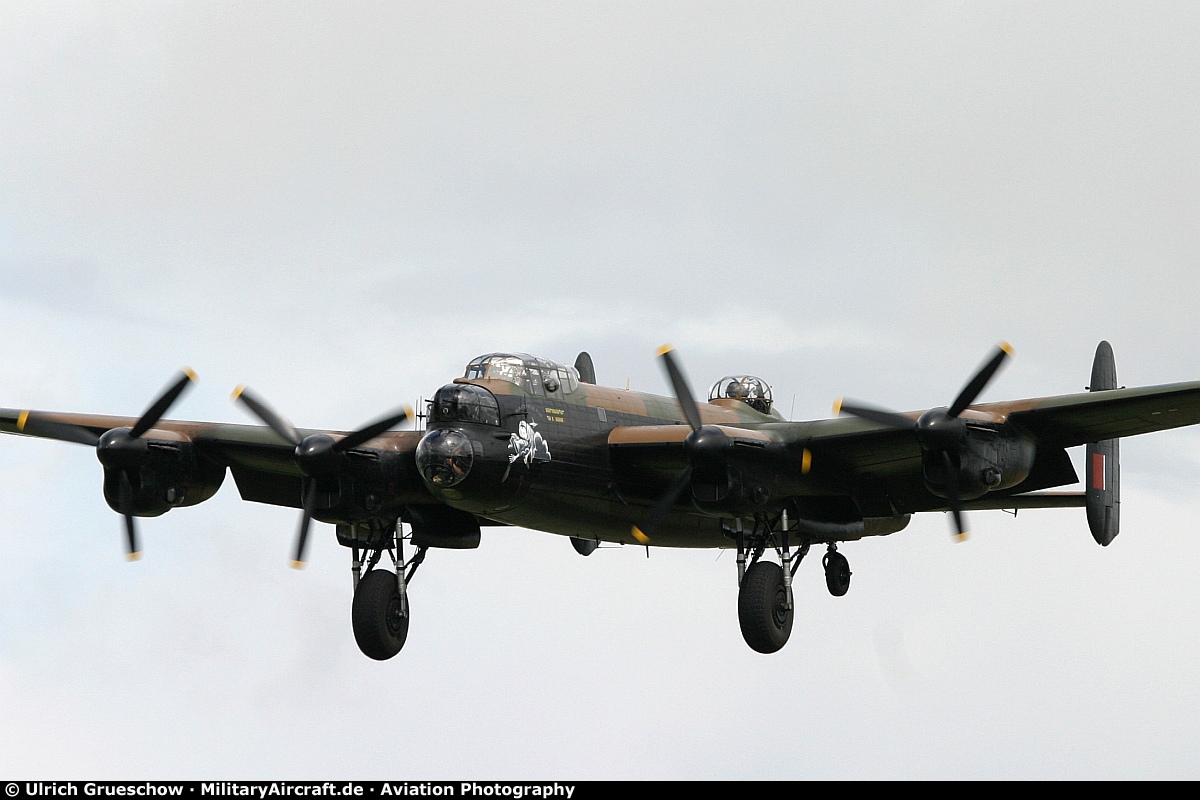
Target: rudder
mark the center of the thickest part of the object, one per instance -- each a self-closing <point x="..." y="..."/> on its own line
<point x="1103" y="469"/>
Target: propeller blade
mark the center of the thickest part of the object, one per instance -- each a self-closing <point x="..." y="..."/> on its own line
<point x="273" y="420"/>
<point x="60" y="431"/>
<point x="131" y="539"/>
<point x="644" y="532"/>
<point x="305" y="523"/>
<point x="981" y="379"/>
<point x="125" y="500"/>
<point x="369" y="432"/>
<point x="889" y="418"/>
<point x="679" y="385"/>
<point x="955" y="498"/>
<point x="159" y="407"/>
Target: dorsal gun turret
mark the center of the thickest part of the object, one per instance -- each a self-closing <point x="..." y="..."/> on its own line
<point x="754" y="392"/>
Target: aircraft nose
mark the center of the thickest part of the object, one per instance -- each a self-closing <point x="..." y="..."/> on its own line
<point x="444" y="457"/>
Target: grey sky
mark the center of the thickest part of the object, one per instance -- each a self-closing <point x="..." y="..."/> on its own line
<point x="342" y="204"/>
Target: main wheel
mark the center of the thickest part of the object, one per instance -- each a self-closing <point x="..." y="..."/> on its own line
<point x="379" y="627"/>
<point x="762" y="608"/>
<point x="837" y="573"/>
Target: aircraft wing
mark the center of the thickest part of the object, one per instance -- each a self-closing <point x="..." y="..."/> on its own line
<point x="878" y="466"/>
<point x="262" y="464"/>
<point x="826" y="456"/>
<point x="1075" y="419"/>
<point x="1060" y="421"/>
<point x="852" y="451"/>
<point x="850" y="444"/>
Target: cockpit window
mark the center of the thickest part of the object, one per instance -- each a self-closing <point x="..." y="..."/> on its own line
<point x="462" y="402"/>
<point x="499" y="367"/>
<point x="537" y="376"/>
<point x="754" y="392"/>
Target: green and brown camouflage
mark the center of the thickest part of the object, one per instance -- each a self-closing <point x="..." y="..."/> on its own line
<point x="524" y="441"/>
<point x="610" y="454"/>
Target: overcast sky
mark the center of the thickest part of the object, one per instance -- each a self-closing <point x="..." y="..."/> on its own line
<point x="341" y="204"/>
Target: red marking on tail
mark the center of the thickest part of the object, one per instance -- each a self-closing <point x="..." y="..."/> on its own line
<point x="1098" y="471"/>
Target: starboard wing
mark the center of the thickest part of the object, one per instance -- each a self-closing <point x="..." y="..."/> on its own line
<point x="263" y="464"/>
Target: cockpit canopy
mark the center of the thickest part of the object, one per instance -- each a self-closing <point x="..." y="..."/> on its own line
<point x="537" y="376"/>
<point x="754" y="392"/>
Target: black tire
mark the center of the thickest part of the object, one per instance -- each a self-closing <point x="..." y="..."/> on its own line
<point x="762" y="608"/>
<point x="837" y="573"/>
<point x="379" y="629"/>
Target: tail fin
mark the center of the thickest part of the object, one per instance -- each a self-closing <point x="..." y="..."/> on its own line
<point x="1103" y="461"/>
<point x="587" y="373"/>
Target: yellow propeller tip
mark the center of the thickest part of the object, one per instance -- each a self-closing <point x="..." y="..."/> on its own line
<point x="22" y="418"/>
<point x="641" y="537"/>
<point x="666" y="348"/>
<point x="962" y="537"/>
<point x="237" y="392"/>
<point x="408" y="411"/>
<point x="191" y="373"/>
<point x="837" y="406"/>
<point x="298" y="565"/>
<point x="134" y="557"/>
<point x="1006" y="347"/>
<point x="805" y="461"/>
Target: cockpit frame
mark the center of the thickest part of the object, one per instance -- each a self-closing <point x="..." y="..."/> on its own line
<point x="539" y="377"/>
<point x="754" y="392"/>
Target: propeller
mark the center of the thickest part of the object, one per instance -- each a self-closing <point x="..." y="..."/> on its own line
<point x="940" y="429"/>
<point x="120" y="448"/>
<point x="318" y="455"/>
<point x="705" y="447"/>
<point x="124" y="449"/>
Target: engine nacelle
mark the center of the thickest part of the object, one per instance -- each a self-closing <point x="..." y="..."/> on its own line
<point x="992" y="457"/>
<point x="745" y="480"/>
<point x="161" y="475"/>
<point x="372" y="484"/>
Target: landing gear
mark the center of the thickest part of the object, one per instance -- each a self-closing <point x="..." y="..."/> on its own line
<point x="837" y="572"/>
<point x="379" y="614"/>
<point x="765" y="603"/>
<point x="380" y="623"/>
<point x="766" y="606"/>
<point x="764" y="612"/>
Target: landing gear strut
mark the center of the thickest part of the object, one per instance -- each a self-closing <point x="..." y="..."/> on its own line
<point x="766" y="607"/>
<point x="380" y="612"/>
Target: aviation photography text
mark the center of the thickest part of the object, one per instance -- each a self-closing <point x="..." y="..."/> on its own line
<point x="264" y="789"/>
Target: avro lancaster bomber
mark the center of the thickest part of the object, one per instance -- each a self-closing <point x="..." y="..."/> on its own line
<point x="524" y="441"/>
